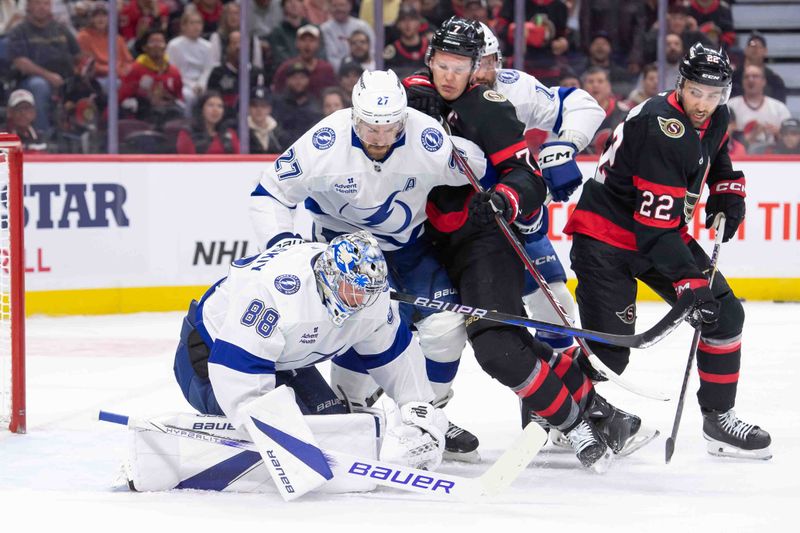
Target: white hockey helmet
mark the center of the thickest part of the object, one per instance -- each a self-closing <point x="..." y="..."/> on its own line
<point x="490" y="43"/>
<point x="379" y="99"/>
<point x="351" y="273"/>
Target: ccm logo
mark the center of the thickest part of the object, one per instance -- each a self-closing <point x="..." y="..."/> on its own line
<point x="729" y="186"/>
<point x="556" y="157"/>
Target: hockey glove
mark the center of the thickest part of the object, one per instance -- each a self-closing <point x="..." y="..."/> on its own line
<point x="559" y="169"/>
<point x="727" y="197"/>
<point x="706" y="309"/>
<point x="423" y="96"/>
<point x="535" y="226"/>
<point x="419" y="440"/>
<point x="500" y="199"/>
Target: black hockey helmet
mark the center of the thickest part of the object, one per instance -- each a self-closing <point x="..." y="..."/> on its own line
<point x="707" y="66"/>
<point x="458" y="36"/>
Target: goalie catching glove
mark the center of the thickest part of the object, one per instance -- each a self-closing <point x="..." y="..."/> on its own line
<point x="418" y="441"/>
<point x="559" y="169"/>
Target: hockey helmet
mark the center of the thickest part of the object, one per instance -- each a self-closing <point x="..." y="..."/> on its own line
<point x="379" y="99"/>
<point x="458" y="36"/>
<point x="707" y="66"/>
<point x="351" y="274"/>
<point x="490" y="43"/>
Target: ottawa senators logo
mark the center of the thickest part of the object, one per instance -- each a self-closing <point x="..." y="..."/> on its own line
<point x="494" y="96"/>
<point x="628" y="315"/>
<point x="672" y="127"/>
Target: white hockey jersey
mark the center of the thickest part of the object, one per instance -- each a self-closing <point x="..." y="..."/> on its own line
<point x="559" y="110"/>
<point x="267" y="316"/>
<point x="344" y="190"/>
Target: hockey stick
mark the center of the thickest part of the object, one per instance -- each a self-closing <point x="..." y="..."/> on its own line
<point x="595" y="361"/>
<point x="669" y="449"/>
<point x="664" y="327"/>
<point x="439" y="485"/>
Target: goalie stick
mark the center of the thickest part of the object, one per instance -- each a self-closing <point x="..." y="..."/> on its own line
<point x="435" y="484"/>
<point x="661" y="329"/>
<point x="595" y="361"/>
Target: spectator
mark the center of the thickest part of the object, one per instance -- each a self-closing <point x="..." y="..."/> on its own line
<point x="191" y="55"/>
<point x="317" y="11"/>
<point x="349" y="74"/>
<point x="62" y="12"/>
<point x="788" y="140"/>
<point x="338" y="29"/>
<point x="296" y="110"/>
<point x="10" y="16"/>
<point x="208" y="135"/>
<point x="600" y="56"/>
<point x="624" y="23"/>
<point x="757" y="115"/>
<point x="647" y="86"/>
<point x="477" y="10"/>
<point x="211" y="12"/>
<point x="334" y="99"/>
<point x="228" y="23"/>
<point x="152" y="90"/>
<point x="678" y="22"/>
<point x="224" y="78"/>
<point x="595" y="81"/>
<point x="265" y="133"/>
<point x="283" y="37"/>
<point x="21" y="118"/>
<point x="322" y="73"/>
<point x="735" y="146"/>
<point x="93" y="41"/>
<point x="674" y="55"/>
<point x="360" y="50"/>
<point x="718" y="14"/>
<point x="755" y="53"/>
<point x="138" y="16"/>
<point x="265" y="16"/>
<point x="44" y="53"/>
<point x="406" y="54"/>
<point x="568" y="78"/>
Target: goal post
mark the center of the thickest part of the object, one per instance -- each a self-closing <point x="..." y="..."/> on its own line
<point x="12" y="286"/>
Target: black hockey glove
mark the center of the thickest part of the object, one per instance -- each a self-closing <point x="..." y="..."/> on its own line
<point x="706" y="308"/>
<point x="727" y="197"/>
<point x="500" y="199"/>
<point x="423" y="96"/>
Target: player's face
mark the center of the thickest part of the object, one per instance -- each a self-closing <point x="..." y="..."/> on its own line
<point x="351" y="295"/>
<point x="378" y="138"/>
<point x="487" y="71"/>
<point x="451" y="74"/>
<point x="700" y="101"/>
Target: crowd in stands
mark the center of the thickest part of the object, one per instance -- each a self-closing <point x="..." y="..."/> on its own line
<point x="177" y="66"/>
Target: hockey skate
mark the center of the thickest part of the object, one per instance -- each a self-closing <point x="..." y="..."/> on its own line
<point x="459" y="444"/>
<point x="589" y="446"/>
<point x="728" y="436"/>
<point x="623" y="432"/>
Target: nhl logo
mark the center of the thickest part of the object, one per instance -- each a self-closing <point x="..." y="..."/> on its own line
<point x="672" y="127"/>
<point x="323" y="138"/>
<point x="287" y="283"/>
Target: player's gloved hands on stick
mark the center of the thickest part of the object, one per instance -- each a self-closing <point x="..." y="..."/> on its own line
<point x="706" y="308"/>
<point x="500" y="199"/>
<point x="559" y="169"/>
<point x="423" y="96"/>
<point x="535" y="226"/>
<point x="727" y="197"/>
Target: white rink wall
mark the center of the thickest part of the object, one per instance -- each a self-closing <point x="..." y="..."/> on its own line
<point x="146" y="233"/>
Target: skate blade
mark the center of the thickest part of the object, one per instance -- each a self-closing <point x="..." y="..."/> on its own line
<point x="464" y="457"/>
<point x="720" y="449"/>
<point x="639" y="440"/>
<point x="602" y="465"/>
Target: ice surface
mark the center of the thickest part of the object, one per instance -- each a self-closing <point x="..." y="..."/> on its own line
<point x="60" y="473"/>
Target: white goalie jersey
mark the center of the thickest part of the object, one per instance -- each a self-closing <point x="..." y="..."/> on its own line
<point x="328" y="173"/>
<point x="558" y="110"/>
<point x="267" y="316"/>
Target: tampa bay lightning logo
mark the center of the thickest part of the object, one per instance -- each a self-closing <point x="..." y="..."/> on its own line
<point x="507" y="76"/>
<point x="392" y="216"/>
<point x="323" y="138"/>
<point x="287" y="283"/>
<point x="432" y="139"/>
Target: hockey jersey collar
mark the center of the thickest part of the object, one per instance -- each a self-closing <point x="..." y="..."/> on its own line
<point x="357" y="144"/>
<point x="673" y="101"/>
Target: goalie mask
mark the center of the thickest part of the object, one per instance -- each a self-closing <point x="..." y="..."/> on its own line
<point x="379" y="108"/>
<point x="351" y="274"/>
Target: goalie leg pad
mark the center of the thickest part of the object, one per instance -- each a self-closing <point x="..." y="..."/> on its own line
<point x="159" y="462"/>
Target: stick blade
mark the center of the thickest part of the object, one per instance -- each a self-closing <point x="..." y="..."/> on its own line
<point x="516" y="459"/>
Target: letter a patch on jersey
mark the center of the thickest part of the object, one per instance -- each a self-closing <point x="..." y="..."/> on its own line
<point x="672" y="127"/>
